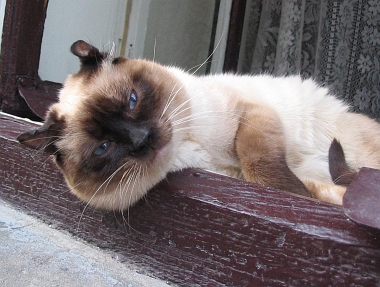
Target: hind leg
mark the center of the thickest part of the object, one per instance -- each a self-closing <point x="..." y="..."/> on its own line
<point x="260" y="146"/>
<point x="326" y="191"/>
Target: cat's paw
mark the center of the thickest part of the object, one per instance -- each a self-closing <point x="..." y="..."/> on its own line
<point x="327" y="192"/>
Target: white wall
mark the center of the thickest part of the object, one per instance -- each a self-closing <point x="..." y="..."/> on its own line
<point x="99" y="22"/>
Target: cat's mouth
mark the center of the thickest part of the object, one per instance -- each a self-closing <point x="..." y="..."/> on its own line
<point x="142" y="144"/>
<point x="141" y="151"/>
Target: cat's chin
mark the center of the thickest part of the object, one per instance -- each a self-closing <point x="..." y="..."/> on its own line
<point x="116" y="197"/>
<point x="112" y="201"/>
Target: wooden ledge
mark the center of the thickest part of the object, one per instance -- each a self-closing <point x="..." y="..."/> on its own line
<point x="197" y="228"/>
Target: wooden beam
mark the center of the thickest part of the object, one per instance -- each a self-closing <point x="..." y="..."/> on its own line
<point x="197" y="228"/>
<point x="235" y="31"/>
<point x="20" y="50"/>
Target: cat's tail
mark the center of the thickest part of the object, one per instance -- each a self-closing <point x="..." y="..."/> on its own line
<point x="340" y="172"/>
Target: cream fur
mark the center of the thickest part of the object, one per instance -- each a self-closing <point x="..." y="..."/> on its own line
<point x="310" y="116"/>
<point x="204" y="129"/>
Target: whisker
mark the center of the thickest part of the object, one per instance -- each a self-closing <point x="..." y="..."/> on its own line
<point x="154" y="50"/>
<point x="95" y="193"/>
<point x="341" y="176"/>
<point x="122" y="191"/>
<point x="178" y="108"/>
<point x="209" y="57"/>
<point x="132" y="179"/>
<point x="226" y="115"/>
<point x="199" y="66"/>
<point x="171" y="98"/>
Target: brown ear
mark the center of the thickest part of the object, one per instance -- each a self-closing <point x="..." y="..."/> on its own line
<point x="88" y="54"/>
<point x="45" y="137"/>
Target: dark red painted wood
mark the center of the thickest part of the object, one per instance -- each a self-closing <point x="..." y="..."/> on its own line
<point x="362" y="200"/>
<point x="38" y="95"/>
<point x="20" y="50"/>
<point x="196" y="228"/>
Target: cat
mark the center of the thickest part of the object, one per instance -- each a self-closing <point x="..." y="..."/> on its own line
<point x="121" y="125"/>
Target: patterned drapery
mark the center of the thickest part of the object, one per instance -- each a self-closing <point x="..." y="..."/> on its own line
<point x="335" y="42"/>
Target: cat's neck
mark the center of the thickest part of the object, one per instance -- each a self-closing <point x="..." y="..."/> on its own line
<point x="211" y="107"/>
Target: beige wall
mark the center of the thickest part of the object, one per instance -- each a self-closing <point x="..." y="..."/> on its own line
<point x="180" y="32"/>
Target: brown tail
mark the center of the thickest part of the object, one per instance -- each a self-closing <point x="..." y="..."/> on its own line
<point x="340" y="172"/>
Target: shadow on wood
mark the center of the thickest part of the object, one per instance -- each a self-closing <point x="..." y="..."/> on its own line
<point x="197" y="228"/>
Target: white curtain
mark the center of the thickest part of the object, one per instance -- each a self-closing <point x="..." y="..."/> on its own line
<point x="335" y="42"/>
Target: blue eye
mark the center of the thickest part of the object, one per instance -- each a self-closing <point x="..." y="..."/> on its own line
<point x="102" y="149"/>
<point x="132" y="100"/>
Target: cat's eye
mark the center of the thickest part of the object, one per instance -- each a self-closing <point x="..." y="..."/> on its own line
<point x="132" y="100"/>
<point x="102" y="149"/>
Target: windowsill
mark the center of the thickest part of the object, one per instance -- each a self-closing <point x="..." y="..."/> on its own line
<point x="201" y="228"/>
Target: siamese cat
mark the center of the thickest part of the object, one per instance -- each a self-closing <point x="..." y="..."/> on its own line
<point x="122" y="124"/>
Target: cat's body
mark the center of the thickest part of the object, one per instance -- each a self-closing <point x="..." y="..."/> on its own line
<point x="122" y="125"/>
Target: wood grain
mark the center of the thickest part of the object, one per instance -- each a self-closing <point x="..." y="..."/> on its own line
<point x="201" y="229"/>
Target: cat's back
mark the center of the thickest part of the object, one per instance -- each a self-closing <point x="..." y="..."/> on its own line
<point x="295" y="100"/>
<point x="287" y="92"/>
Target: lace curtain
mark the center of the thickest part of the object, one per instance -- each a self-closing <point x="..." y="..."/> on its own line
<point x="335" y="42"/>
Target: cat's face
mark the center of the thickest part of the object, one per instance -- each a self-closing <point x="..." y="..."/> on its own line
<point x="111" y="132"/>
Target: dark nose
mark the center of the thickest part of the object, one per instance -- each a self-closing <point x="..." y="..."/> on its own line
<point x="140" y="138"/>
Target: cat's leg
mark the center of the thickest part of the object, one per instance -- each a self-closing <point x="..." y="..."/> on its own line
<point x="327" y="192"/>
<point x="359" y="137"/>
<point x="260" y="146"/>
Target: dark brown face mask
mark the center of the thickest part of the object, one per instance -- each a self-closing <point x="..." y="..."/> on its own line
<point x="44" y="138"/>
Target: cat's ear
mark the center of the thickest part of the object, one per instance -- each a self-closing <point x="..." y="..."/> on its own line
<point x="87" y="54"/>
<point x="44" y="137"/>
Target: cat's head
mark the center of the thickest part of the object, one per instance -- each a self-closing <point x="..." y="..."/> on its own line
<point x="111" y="132"/>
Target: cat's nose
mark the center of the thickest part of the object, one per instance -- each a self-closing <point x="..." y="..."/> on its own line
<point x="140" y="138"/>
